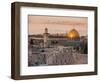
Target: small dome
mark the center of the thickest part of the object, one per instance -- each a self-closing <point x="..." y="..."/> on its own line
<point x="73" y="34"/>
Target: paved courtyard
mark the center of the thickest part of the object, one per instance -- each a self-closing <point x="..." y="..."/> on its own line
<point x="55" y="56"/>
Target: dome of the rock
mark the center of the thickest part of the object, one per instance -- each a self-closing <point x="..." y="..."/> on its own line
<point x="73" y="34"/>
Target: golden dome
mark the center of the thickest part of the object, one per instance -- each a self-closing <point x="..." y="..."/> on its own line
<point x="73" y="34"/>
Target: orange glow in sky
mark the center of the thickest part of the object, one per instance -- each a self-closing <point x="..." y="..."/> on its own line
<point x="57" y="24"/>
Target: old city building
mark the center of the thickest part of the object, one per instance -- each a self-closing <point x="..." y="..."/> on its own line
<point x="50" y="49"/>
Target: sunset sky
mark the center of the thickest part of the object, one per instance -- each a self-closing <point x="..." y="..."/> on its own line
<point x="57" y="24"/>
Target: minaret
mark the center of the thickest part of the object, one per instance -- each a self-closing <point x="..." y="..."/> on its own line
<point x="45" y="37"/>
